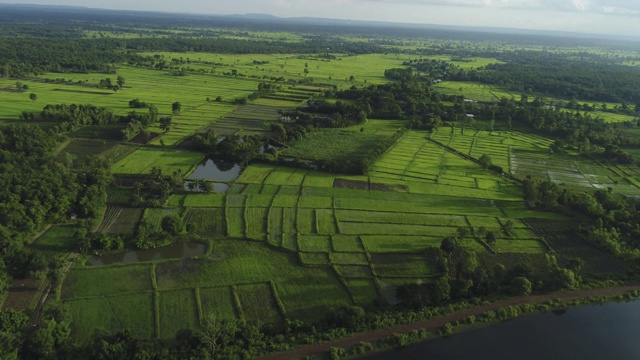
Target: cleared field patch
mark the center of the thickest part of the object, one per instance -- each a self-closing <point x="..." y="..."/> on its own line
<point x="325" y="222"/>
<point x="258" y="303"/>
<point x="363" y="290"/>
<point x="315" y="243"/>
<point x="255" y="174"/>
<point x="126" y="221"/>
<point x="399" y="243"/>
<point x="402" y="265"/>
<point x="345" y="146"/>
<point x="274" y="226"/>
<point x="256" y="223"/>
<point x="207" y="221"/>
<point x="346" y="243"/>
<point x="80" y="150"/>
<point x="249" y="119"/>
<point x="344" y="258"/>
<point x="205" y="200"/>
<point x="362" y="229"/>
<point x="531" y="246"/>
<point x="289" y="231"/>
<point x="234" y="218"/>
<point x="315" y="258"/>
<point x="56" y="240"/>
<point x="178" y="311"/>
<point x="218" y="302"/>
<point x="81" y="282"/>
<point x="306" y="221"/>
<point x="112" y="313"/>
<point x="400" y="218"/>
<point x="169" y="160"/>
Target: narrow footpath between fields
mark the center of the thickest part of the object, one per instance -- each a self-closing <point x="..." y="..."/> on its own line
<point x="432" y="324"/>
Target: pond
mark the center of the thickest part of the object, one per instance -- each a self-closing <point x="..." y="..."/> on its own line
<point x="174" y="251"/>
<point x="595" y="332"/>
<point x="209" y="170"/>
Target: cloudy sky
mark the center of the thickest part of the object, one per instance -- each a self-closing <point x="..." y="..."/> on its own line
<point x="620" y="17"/>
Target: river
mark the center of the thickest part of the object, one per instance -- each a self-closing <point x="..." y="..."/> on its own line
<point x="594" y="332"/>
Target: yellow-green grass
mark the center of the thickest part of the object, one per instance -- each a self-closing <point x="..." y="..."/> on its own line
<point x="474" y="91"/>
<point x="467" y="63"/>
<point x="367" y="69"/>
<point x="169" y="160"/>
<point x="152" y="86"/>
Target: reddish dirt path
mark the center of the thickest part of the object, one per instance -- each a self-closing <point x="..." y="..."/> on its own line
<point x="440" y="321"/>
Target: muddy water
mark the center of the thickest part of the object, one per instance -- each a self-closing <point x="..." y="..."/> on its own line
<point x="174" y="251"/>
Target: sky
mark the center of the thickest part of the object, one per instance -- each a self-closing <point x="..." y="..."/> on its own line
<point x="611" y="17"/>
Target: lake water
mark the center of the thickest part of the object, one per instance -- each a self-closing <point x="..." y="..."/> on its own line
<point x="174" y="251"/>
<point x="210" y="171"/>
<point x="595" y="332"/>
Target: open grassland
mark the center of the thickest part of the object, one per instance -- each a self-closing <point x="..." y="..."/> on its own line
<point x="474" y="91"/>
<point x="333" y="145"/>
<point x="367" y="69"/>
<point x="169" y="160"/>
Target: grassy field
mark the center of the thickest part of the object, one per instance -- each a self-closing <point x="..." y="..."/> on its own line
<point x="58" y="239"/>
<point x="333" y="145"/>
<point x="169" y="160"/>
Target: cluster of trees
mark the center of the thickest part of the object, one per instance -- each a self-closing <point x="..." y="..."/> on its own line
<point x="107" y="83"/>
<point x="564" y="75"/>
<point x="153" y="189"/>
<point x="36" y="190"/>
<point x="462" y="277"/>
<point x="615" y="217"/>
<point x="229" y="150"/>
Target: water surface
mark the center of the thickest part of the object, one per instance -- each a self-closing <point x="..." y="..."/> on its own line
<point x="209" y="170"/>
<point x="174" y="251"/>
<point x="608" y="331"/>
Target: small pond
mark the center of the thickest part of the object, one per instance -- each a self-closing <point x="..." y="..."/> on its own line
<point x="216" y="171"/>
<point x="174" y="251"/>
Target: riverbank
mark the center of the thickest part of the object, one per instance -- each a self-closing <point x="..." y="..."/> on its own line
<point x="436" y="323"/>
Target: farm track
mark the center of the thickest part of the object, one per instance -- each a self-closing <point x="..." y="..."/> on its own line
<point x="432" y="324"/>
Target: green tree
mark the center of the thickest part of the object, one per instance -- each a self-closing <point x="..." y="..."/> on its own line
<point x="33" y="96"/>
<point x="521" y="286"/>
<point x="485" y="161"/>
<point x="165" y="123"/>
<point x="176" y="107"/>
<point x="172" y="224"/>
<point x="120" y="82"/>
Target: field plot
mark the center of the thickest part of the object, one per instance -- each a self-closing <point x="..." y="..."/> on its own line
<point x="363" y="290"/>
<point x="423" y="167"/>
<point x="79" y="150"/>
<point x="207" y="221"/>
<point x="258" y="303"/>
<point x="247" y="120"/>
<point x="345" y="146"/>
<point x="177" y="311"/>
<point x="113" y="313"/>
<point x="82" y="281"/>
<point x="218" y="302"/>
<point x="58" y="239"/>
<point x="474" y="91"/>
<point x="125" y="222"/>
<point x="169" y="160"/>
